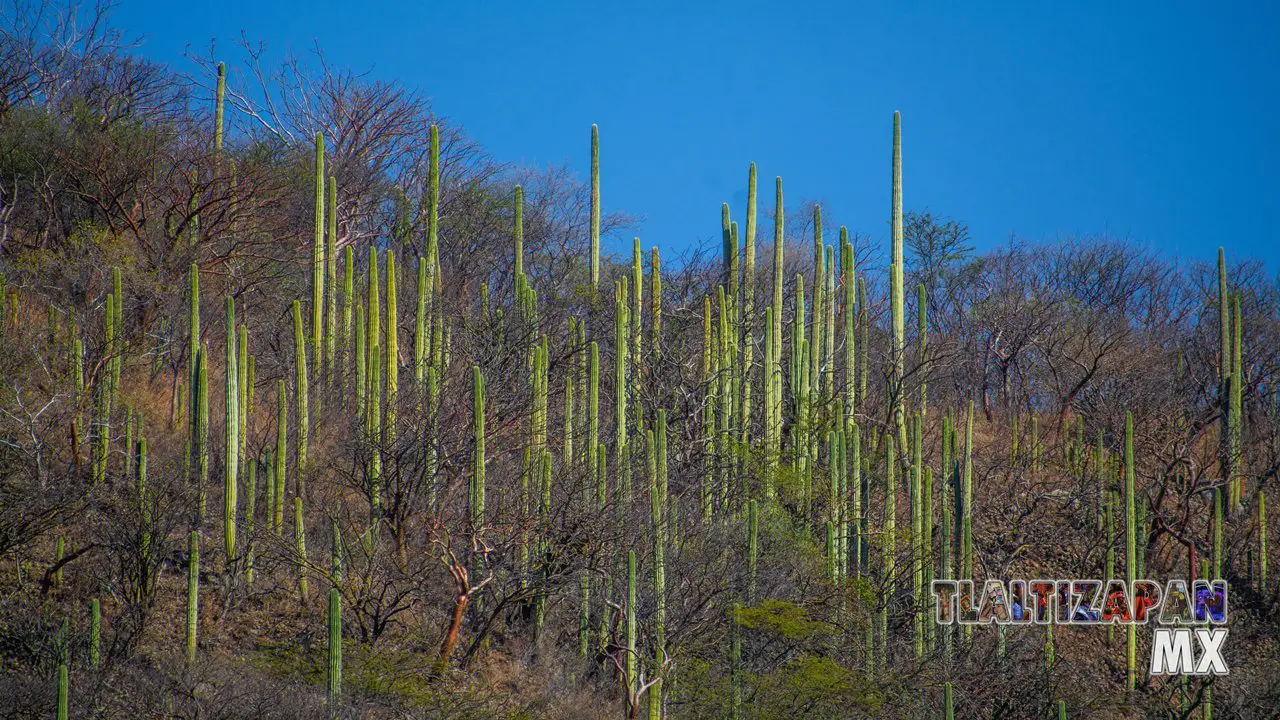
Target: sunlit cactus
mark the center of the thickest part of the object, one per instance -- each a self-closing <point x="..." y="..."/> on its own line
<point x="477" y="485"/>
<point x="318" y="265"/>
<point x="595" y="207"/>
<point x="193" y="594"/>
<point x="231" y="450"/>
<point x="300" y="395"/>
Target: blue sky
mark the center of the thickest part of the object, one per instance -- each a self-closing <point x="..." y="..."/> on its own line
<point x="1159" y="123"/>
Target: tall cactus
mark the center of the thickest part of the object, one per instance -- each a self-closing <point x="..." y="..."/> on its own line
<point x="95" y="633"/>
<point x="103" y="396"/>
<point x="1235" y="408"/>
<point x="334" y="673"/>
<point x="621" y="328"/>
<point x="373" y="434"/>
<point x="854" y="462"/>
<point x="300" y="547"/>
<point x="890" y="549"/>
<point x="200" y="406"/>
<point x="658" y="505"/>
<point x="632" y="628"/>
<point x="282" y="454"/>
<point x="348" y="309"/>
<point x="816" y="325"/>
<point x="331" y="365"/>
<point x="64" y="671"/>
<point x="300" y="392"/>
<point x="193" y="352"/>
<point x="774" y="372"/>
<point x="898" y="348"/>
<point x="1262" y="541"/>
<point x="318" y="261"/>
<point x="922" y="332"/>
<point x="636" y="316"/>
<point x="391" y="364"/>
<point x="1130" y="540"/>
<point x="433" y="212"/>
<point x="849" y="287"/>
<point x="218" y="105"/>
<point x="250" y="510"/>
<point x="231" y="423"/>
<point x="373" y="329"/>
<point x="595" y="207"/>
<point x="746" y="313"/>
<point x="421" y="339"/>
<point x="193" y="594"/>
<point x="361" y="366"/>
<point x="477" y="486"/>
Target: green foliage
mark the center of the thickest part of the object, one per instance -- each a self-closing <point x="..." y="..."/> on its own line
<point x="783" y="618"/>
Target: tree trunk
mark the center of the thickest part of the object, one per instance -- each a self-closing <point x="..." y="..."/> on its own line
<point x="451" y="636"/>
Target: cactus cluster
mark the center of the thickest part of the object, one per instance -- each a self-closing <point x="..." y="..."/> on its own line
<point x="795" y="440"/>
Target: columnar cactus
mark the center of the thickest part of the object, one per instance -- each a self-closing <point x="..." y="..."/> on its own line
<point x="658" y="505"/>
<point x="898" y="347"/>
<point x="282" y="453"/>
<point x="373" y="331"/>
<point x="818" y="312"/>
<point x="849" y="287"/>
<point x="746" y="315"/>
<point x="922" y="331"/>
<point x="331" y="289"/>
<point x="391" y="364"/>
<point x="593" y="422"/>
<point x="916" y="481"/>
<point x="865" y="340"/>
<point x="1262" y="541"/>
<point x="95" y="633"/>
<point x="193" y="594"/>
<point x="854" y="473"/>
<point x="218" y="105"/>
<point x="348" y="307"/>
<point x="269" y="492"/>
<point x="318" y="261"/>
<point x="636" y="315"/>
<point x="421" y="340"/>
<point x="1235" y="407"/>
<point x="362" y="366"/>
<point x="301" y="394"/>
<point x="773" y="373"/>
<point x="829" y="326"/>
<point x="117" y="336"/>
<point x="300" y="546"/>
<point x="477" y="487"/>
<point x="334" y="673"/>
<point x="621" y="327"/>
<point x="632" y="628"/>
<point x="655" y="301"/>
<point x="890" y="550"/>
<point x="64" y="671"/>
<point x="373" y="433"/>
<point x="200" y="405"/>
<point x="770" y="409"/>
<point x="231" y="450"/>
<point x="250" y="509"/>
<point x="709" y="438"/>
<point x="433" y="211"/>
<point x="595" y="207"/>
<point x="1130" y="540"/>
<point x="103" y="397"/>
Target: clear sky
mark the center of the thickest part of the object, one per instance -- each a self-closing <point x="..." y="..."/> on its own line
<point x="1158" y="122"/>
